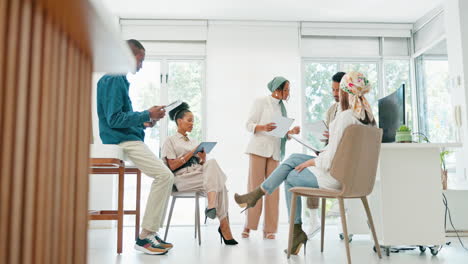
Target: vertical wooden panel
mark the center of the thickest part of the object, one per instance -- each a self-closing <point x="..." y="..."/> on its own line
<point x="59" y="178"/>
<point x="31" y="172"/>
<point x="72" y="139"/>
<point x="3" y="26"/>
<point x="83" y="158"/>
<point x="4" y="207"/>
<point x="45" y="108"/>
<point x="66" y="141"/>
<point x="21" y="116"/>
<point x="8" y="118"/>
<point x="52" y="133"/>
<point x="44" y="186"/>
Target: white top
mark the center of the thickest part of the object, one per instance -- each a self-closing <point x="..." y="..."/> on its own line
<point x="177" y="146"/>
<point x="262" y="113"/>
<point x="323" y="162"/>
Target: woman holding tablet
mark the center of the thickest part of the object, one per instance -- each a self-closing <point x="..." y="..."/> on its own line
<point x="193" y="172"/>
<point x="265" y="153"/>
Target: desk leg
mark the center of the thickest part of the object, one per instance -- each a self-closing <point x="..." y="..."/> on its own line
<point x="120" y="210"/>
<point x="138" y="198"/>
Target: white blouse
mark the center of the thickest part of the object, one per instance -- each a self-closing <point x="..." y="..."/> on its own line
<point x="262" y="113"/>
<point x="323" y="162"/>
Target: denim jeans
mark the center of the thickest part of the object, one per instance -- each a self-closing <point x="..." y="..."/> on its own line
<point x="286" y="173"/>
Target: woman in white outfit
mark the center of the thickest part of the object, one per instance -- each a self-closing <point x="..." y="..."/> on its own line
<point x="265" y="153"/>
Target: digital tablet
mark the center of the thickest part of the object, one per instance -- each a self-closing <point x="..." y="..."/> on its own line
<point x="205" y="146"/>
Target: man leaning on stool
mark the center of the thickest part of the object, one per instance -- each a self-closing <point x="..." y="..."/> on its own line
<point x="119" y="124"/>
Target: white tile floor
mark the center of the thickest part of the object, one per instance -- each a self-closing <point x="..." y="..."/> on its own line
<point x="102" y="249"/>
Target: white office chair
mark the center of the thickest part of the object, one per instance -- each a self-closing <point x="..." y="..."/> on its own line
<point x="179" y="195"/>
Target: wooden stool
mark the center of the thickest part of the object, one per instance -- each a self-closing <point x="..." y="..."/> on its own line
<point x="117" y="166"/>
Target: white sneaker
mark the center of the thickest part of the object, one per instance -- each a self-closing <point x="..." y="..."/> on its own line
<point x="314" y="224"/>
<point x="313" y="230"/>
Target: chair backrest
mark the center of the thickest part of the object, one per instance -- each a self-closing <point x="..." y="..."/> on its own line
<point x="356" y="159"/>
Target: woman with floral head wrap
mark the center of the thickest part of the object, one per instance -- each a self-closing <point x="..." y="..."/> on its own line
<point x="265" y="153"/>
<point x="301" y="170"/>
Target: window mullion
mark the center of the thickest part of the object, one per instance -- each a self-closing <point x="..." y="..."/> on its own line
<point x="163" y="129"/>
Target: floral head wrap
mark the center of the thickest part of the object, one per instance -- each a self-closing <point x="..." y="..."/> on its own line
<point x="357" y="85"/>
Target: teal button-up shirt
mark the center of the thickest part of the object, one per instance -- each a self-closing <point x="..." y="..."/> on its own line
<point x="117" y="120"/>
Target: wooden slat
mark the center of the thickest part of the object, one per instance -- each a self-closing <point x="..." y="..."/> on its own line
<point x="66" y="152"/>
<point x="3" y="28"/>
<point x="21" y="115"/>
<point x="59" y="160"/>
<point x="33" y="117"/>
<point x="81" y="182"/>
<point x="73" y="148"/>
<point x="126" y="212"/>
<point x="8" y="120"/>
<point x="103" y="217"/>
<point x="43" y="224"/>
<point x="4" y="206"/>
<point x="51" y="131"/>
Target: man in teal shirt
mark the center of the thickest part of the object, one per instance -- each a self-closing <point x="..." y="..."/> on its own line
<point x="119" y="124"/>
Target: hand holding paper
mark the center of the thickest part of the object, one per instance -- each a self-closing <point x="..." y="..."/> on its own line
<point x="318" y="128"/>
<point x="172" y="105"/>
<point x="305" y="144"/>
<point x="282" y="126"/>
<point x="156" y="112"/>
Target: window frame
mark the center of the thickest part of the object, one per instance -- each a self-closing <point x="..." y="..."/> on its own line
<point x="381" y="92"/>
<point x="421" y="84"/>
<point x="164" y="94"/>
<point x="165" y="60"/>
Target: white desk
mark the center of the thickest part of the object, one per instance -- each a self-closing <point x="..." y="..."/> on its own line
<point x="406" y="202"/>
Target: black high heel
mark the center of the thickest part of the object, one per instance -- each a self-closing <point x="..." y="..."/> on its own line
<point x="230" y="242"/>
<point x="211" y="213"/>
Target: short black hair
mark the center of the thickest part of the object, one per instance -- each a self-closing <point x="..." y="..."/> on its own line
<point x="281" y="87"/>
<point x="179" y="111"/>
<point x="137" y="44"/>
<point x="338" y="76"/>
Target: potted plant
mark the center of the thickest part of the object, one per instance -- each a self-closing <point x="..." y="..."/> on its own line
<point x="403" y="135"/>
<point x="443" y="157"/>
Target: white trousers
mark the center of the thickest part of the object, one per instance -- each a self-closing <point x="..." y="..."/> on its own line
<point x="163" y="179"/>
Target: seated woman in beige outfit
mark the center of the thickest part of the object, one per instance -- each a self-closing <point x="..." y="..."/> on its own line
<point x="193" y="172"/>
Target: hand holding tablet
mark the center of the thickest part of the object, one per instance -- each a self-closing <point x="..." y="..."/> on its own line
<point x="205" y="147"/>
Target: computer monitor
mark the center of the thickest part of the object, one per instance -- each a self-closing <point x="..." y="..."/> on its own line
<point x="392" y="113"/>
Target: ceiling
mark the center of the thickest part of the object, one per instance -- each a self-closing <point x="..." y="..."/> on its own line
<point x="396" y="11"/>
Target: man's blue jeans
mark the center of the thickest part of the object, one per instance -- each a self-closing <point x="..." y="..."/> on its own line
<point x="286" y="173"/>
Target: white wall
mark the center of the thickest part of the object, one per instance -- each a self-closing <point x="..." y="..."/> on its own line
<point x="241" y="59"/>
<point x="456" y="23"/>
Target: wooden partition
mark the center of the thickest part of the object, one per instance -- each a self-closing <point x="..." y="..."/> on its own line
<point x="45" y="123"/>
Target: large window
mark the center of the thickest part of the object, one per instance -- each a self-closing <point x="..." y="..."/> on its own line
<point x="184" y="83"/>
<point x="161" y="82"/>
<point x="435" y="107"/>
<point x="317" y="76"/>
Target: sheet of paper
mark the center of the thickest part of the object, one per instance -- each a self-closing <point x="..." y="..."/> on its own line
<point x="282" y="126"/>
<point x="306" y="144"/>
<point x="173" y="105"/>
<point x="317" y="128"/>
